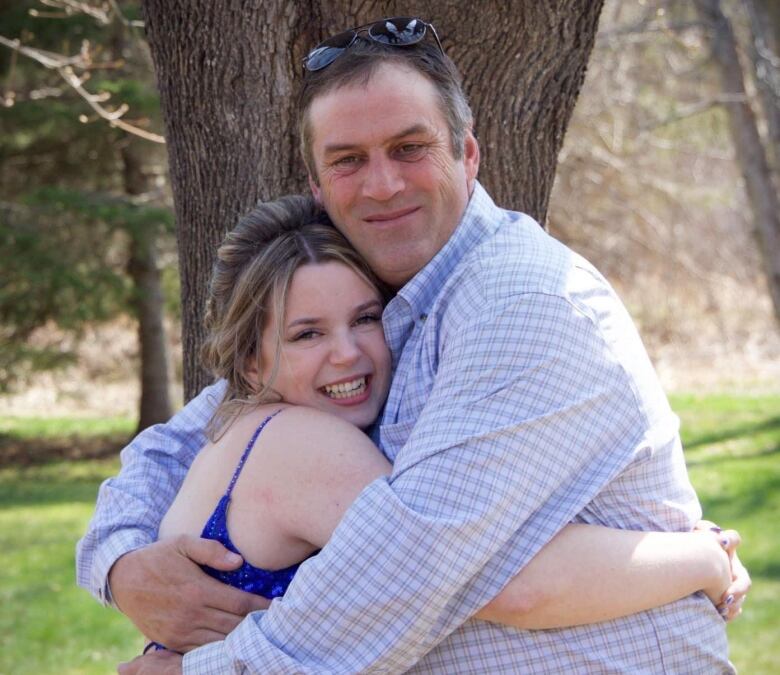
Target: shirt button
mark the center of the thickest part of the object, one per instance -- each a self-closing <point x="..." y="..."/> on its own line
<point x="423" y="317"/>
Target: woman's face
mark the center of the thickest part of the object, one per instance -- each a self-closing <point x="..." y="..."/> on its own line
<point x="333" y="352"/>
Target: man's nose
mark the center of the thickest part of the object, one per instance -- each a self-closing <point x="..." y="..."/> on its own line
<point x="383" y="179"/>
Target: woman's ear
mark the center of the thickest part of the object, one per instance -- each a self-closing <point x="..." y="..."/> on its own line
<point x="252" y="371"/>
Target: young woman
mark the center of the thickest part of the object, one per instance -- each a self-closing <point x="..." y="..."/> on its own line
<point x="295" y="330"/>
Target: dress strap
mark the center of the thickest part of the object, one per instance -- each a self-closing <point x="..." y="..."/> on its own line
<point x="248" y="449"/>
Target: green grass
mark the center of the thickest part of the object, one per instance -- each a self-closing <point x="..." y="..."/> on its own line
<point x="25" y="428"/>
<point x="47" y="625"/>
<point x="733" y="455"/>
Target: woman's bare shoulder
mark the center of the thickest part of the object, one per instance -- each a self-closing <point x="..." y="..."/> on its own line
<point x="310" y="428"/>
<point x="310" y="440"/>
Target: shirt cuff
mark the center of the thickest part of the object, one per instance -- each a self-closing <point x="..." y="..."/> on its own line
<point x="206" y="660"/>
<point x="111" y="550"/>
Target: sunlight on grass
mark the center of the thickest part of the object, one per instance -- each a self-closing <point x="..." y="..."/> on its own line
<point x="47" y="625"/>
<point x="733" y="455"/>
<point x="59" y="427"/>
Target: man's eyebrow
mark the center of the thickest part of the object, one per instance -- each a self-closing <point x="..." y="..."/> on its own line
<point x="341" y="147"/>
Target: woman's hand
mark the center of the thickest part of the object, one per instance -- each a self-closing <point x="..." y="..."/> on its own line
<point x="161" y="662"/>
<point x="730" y="585"/>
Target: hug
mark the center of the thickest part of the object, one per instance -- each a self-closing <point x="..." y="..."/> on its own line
<point x="434" y="440"/>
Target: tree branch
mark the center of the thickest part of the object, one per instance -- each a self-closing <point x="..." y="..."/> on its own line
<point x="64" y="66"/>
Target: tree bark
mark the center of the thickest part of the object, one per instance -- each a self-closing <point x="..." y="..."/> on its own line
<point x="155" y="404"/>
<point x="747" y="142"/>
<point x="765" y="55"/>
<point x="227" y="72"/>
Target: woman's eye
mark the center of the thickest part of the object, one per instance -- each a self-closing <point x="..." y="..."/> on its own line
<point x="305" y="335"/>
<point x="368" y="318"/>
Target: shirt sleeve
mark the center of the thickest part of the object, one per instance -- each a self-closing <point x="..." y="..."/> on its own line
<point x="130" y="505"/>
<point x="531" y="414"/>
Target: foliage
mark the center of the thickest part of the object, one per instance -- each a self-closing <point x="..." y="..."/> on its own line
<point x="49" y="626"/>
<point x="66" y="223"/>
<point x="648" y="188"/>
<point x="66" y="253"/>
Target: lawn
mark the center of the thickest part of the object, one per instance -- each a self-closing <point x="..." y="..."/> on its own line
<point x="47" y="625"/>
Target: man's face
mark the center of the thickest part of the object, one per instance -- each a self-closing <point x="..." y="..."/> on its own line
<point x="385" y="170"/>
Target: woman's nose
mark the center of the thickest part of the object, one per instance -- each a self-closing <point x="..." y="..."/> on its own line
<point x="344" y="349"/>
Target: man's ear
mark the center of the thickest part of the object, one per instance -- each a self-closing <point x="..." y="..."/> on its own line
<point x="316" y="191"/>
<point x="470" y="158"/>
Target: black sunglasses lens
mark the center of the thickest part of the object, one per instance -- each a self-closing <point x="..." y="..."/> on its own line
<point x="398" y="31"/>
<point x="328" y="50"/>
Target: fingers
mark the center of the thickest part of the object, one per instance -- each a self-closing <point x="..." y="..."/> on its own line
<point x="736" y="593"/>
<point x="741" y="582"/>
<point x="200" y="637"/>
<point x="235" y="602"/>
<point x="162" y="661"/>
<point x="207" y="552"/>
<point x="730" y="540"/>
<point x="731" y="608"/>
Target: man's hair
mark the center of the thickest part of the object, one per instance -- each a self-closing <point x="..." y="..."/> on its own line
<point x="359" y="63"/>
<point x="252" y="274"/>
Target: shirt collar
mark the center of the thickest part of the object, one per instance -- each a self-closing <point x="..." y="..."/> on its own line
<point x="480" y="219"/>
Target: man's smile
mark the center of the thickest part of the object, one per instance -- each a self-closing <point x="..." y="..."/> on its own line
<point x="391" y="216"/>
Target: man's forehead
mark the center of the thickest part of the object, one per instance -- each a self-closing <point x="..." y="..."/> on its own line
<point x="399" y="99"/>
<point x="405" y="78"/>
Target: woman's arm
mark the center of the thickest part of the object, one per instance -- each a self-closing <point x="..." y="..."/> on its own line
<point x="316" y="465"/>
<point x="589" y="573"/>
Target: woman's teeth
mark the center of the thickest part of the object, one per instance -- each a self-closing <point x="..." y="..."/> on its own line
<point x="346" y="389"/>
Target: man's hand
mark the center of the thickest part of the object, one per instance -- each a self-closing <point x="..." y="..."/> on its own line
<point x="161" y="662"/>
<point x="172" y="601"/>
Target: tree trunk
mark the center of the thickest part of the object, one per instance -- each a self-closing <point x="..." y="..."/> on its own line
<point x="227" y="72"/>
<point x="749" y="149"/>
<point x="765" y="55"/>
<point x="155" y="404"/>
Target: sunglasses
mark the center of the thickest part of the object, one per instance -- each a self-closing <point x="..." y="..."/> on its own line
<point x="398" y="31"/>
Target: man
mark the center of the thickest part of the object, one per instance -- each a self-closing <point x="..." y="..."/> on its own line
<point x="522" y="399"/>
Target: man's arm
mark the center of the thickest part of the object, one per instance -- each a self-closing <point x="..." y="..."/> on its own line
<point x="529" y="419"/>
<point x="130" y="506"/>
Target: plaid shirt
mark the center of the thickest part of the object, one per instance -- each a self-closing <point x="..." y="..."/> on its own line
<point x="522" y="399"/>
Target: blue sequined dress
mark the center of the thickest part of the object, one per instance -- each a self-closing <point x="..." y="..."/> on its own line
<point x="268" y="583"/>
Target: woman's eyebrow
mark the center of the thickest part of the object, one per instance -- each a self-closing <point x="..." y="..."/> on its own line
<point x="308" y="321"/>
<point x="368" y="305"/>
<point x="303" y="321"/>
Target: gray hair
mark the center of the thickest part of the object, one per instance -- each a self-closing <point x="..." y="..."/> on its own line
<point x="358" y="64"/>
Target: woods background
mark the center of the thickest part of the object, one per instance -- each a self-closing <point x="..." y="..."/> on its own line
<point x="666" y="179"/>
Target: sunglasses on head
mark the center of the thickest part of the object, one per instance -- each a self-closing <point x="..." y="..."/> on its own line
<point x="398" y="31"/>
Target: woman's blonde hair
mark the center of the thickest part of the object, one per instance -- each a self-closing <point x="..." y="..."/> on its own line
<point x="254" y="268"/>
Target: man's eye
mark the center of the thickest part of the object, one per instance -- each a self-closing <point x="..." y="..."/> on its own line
<point x="411" y="151"/>
<point x="348" y="161"/>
